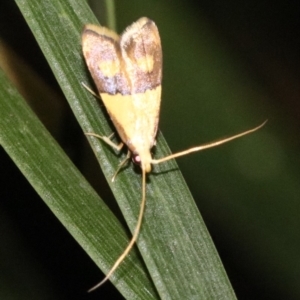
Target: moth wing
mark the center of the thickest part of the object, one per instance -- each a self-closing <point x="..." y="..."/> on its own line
<point x="127" y="72"/>
<point x="142" y="55"/>
<point x="101" y="49"/>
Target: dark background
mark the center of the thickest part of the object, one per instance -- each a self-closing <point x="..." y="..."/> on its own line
<point x="251" y="211"/>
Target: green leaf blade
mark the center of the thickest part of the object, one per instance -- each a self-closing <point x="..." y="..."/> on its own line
<point x="174" y="242"/>
<point x="65" y="191"/>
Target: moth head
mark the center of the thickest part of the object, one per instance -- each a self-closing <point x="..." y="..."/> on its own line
<point x="144" y="161"/>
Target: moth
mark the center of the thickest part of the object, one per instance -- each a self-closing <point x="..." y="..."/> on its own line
<point x="127" y="71"/>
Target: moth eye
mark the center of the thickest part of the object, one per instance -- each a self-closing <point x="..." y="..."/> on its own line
<point x="136" y="159"/>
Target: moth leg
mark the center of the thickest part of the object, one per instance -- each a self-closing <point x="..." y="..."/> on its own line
<point x="90" y="90"/>
<point x="107" y="140"/>
<point x="121" y="165"/>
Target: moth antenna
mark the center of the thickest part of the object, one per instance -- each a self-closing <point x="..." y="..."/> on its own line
<point x="206" y="146"/>
<point x="134" y="236"/>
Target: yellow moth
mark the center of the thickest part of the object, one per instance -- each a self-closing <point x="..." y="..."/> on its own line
<point x="127" y="71"/>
